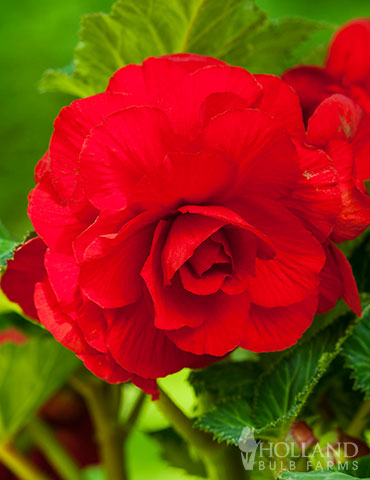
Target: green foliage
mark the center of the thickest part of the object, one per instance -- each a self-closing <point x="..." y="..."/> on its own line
<point x="29" y="375"/>
<point x="320" y="322"/>
<point x="357" y="353"/>
<point x="359" y="468"/>
<point x="226" y="379"/>
<point x="7" y="246"/>
<point x="334" y="401"/>
<point x="317" y="475"/>
<point x="281" y="390"/>
<point x="236" y="31"/>
<point x="227" y="420"/>
<point x="177" y="453"/>
<point x="276" y="47"/>
<point x="360" y="260"/>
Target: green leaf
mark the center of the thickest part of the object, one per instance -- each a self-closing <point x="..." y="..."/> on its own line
<point x="317" y="475"/>
<point x="273" y="48"/>
<point x="29" y="375"/>
<point x="359" y="468"/>
<point x="320" y="322"/>
<point x="281" y="391"/>
<point x="227" y="420"/>
<point x="357" y="353"/>
<point x="7" y="246"/>
<point x="226" y="379"/>
<point x="314" y="50"/>
<point x="177" y="453"/>
<point x="334" y="400"/>
<point x="236" y="31"/>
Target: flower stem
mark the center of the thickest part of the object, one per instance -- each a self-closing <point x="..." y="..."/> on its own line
<point x="134" y="415"/>
<point x="220" y="460"/>
<point x="19" y="465"/>
<point x="49" y="445"/>
<point x="360" y="420"/>
<point x="101" y="400"/>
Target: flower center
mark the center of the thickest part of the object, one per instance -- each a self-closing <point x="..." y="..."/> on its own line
<point x="206" y="270"/>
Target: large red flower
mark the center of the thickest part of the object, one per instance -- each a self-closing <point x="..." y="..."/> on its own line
<point x="182" y="216"/>
<point x="347" y="70"/>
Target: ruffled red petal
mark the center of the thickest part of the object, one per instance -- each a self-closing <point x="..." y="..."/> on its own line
<point x="337" y="281"/>
<point x="273" y="329"/>
<point x="138" y="346"/>
<point x="63" y="275"/>
<point x="110" y="273"/>
<point x="313" y="85"/>
<point x="260" y="146"/>
<point x="336" y="118"/>
<point x="189" y="94"/>
<point x="71" y="128"/>
<point x="66" y="331"/>
<point x="119" y="152"/>
<point x="226" y="320"/>
<point x="23" y="272"/>
<point x="54" y="221"/>
<point x="187" y="178"/>
<point x="316" y="199"/>
<point x="348" y="58"/>
<point x="279" y="100"/>
<point x="151" y="81"/>
<point x="355" y="212"/>
<point x="292" y="274"/>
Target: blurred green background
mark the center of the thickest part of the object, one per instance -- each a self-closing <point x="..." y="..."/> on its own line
<point x="36" y="35"/>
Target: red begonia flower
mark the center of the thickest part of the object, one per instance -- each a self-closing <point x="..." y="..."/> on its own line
<point x="336" y="103"/>
<point x="347" y="70"/>
<point x="183" y="216"/>
<point x="341" y="128"/>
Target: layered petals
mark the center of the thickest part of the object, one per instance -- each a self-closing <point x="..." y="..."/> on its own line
<point x="189" y="94"/>
<point x="53" y="220"/>
<point x="336" y="118"/>
<point x="152" y="80"/>
<point x="280" y="327"/>
<point x="341" y="129"/>
<point x="185" y="178"/>
<point x="313" y="85"/>
<point x="293" y="271"/>
<point x="262" y="146"/>
<point x="337" y="281"/>
<point x="336" y="104"/>
<point x="71" y="128"/>
<point x="349" y="53"/>
<point x="134" y="341"/>
<point x="110" y="273"/>
<point x="66" y="331"/>
<point x="316" y="199"/>
<point x="120" y="149"/>
<point x="279" y="100"/>
<point x="347" y="70"/>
